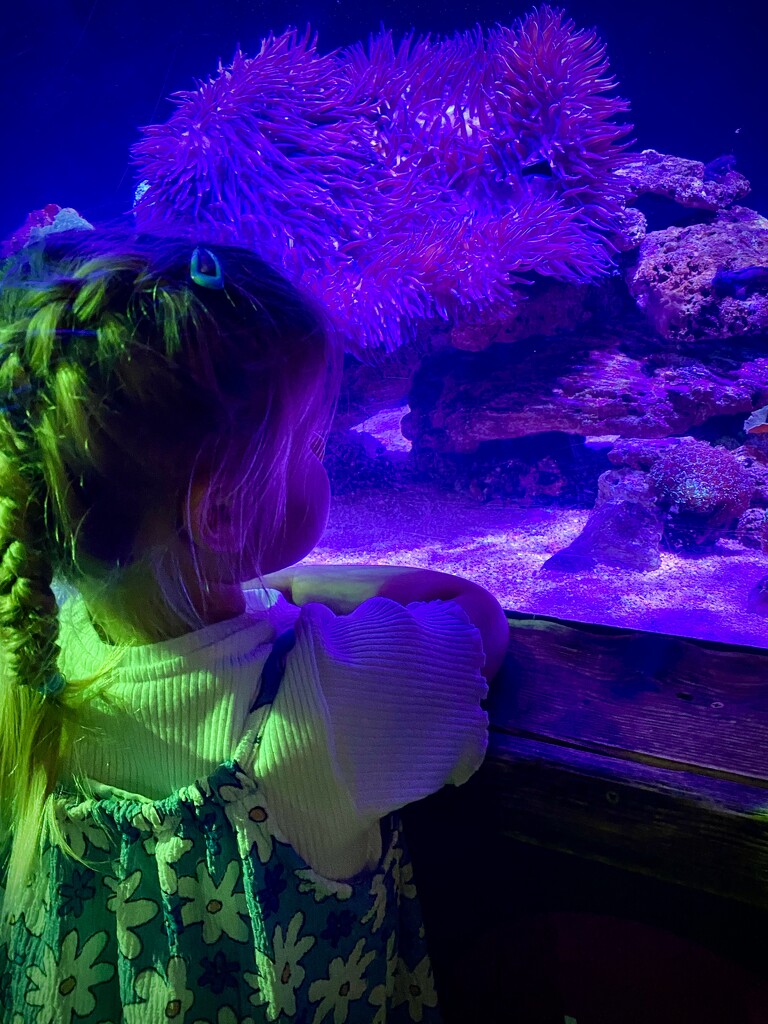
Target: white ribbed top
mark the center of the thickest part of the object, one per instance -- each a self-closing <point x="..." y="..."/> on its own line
<point x="376" y="709"/>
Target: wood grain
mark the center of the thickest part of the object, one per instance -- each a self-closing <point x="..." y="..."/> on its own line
<point x="644" y="751"/>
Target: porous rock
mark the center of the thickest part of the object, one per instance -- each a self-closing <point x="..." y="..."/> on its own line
<point x="618" y="380"/>
<point x="625" y="534"/>
<point x="673" y="280"/>
<point x="684" y="181"/>
<point x="631" y="229"/>
<point x="625" y="484"/>
<point x="752" y="529"/>
<point x="547" y="308"/>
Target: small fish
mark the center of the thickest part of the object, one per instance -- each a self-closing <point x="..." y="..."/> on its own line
<point x="740" y="283"/>
<point x="717" y="169"/>
<point x="757" y="421"/>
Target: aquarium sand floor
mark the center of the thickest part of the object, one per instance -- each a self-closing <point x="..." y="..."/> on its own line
<point x="503" y="548"/>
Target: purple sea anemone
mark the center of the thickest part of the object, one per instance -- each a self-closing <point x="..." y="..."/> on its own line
<point x="401" y="183"/>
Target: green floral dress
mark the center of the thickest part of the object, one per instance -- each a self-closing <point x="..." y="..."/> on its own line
<point x="194" y="910"/>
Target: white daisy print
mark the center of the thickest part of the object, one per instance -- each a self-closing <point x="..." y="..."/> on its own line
<point x="217" y="907"/>
<point x="278" y="979"/>
<point x="417" y="987"/>
<point x="77" y="827"/>
<point x="379" y="906"/>
<point x="159" y="827"/>
<point x="344" y="984"/>
<point x="407" y="888"/>
<point x="162" y="999"/>
<point x="250" y="819"/>
<point x="382" y="993"/>
<point x="129" y="913"/>
<point x="322" y="888"/>
<point x="403" y="873"/>
<point x="66" y="980"/>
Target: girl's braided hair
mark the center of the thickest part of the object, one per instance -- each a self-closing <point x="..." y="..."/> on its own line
<point x="120" y="379"/>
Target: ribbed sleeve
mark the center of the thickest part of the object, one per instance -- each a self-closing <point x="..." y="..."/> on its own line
<point x="403" y="688"/>
<point x="376" y="709"/>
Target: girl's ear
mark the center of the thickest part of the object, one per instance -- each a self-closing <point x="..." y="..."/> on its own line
<point x="208" y="523"/>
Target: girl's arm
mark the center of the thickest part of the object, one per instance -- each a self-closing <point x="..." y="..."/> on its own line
<point x="343" y="587"/>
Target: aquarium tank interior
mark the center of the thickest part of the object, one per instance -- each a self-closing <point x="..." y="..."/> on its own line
<point x="541" y="234"/>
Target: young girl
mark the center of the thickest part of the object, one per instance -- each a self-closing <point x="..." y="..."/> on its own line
<point x="199" y="775"/>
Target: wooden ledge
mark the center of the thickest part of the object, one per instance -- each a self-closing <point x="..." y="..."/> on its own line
<point x="643" y="751"/>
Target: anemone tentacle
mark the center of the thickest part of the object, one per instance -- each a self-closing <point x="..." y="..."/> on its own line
<point x="400" y="182"/>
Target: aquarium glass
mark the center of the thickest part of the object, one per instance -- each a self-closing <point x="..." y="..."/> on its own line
<point x="539" y="234"/>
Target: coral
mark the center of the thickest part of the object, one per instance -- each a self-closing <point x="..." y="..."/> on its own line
<point x="703" y="490"/>
<point x="684" y="279"/>
<point x="401" y="183"/>
<point x="41" y="222"/>
<point x="532" y="481"/>
<point x="545" y="469"/>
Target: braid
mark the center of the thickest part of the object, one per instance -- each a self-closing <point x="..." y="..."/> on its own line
<point x="28" y="612"/>
<point x="29" y="352"/>
<point x="121" y="379"/>
<point x="46" y="347"/>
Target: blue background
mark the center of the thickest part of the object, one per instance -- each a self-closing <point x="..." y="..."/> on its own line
<point x="78" y="77"/>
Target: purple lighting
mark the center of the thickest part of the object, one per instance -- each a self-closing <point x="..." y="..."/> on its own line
<point x="399" y="183"/>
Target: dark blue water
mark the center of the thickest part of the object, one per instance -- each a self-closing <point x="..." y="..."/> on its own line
<point x="78" y="77"/>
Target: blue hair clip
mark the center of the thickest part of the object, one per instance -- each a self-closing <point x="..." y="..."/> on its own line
<point x="53" y="686"/>
<point x="205" y="269"/>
